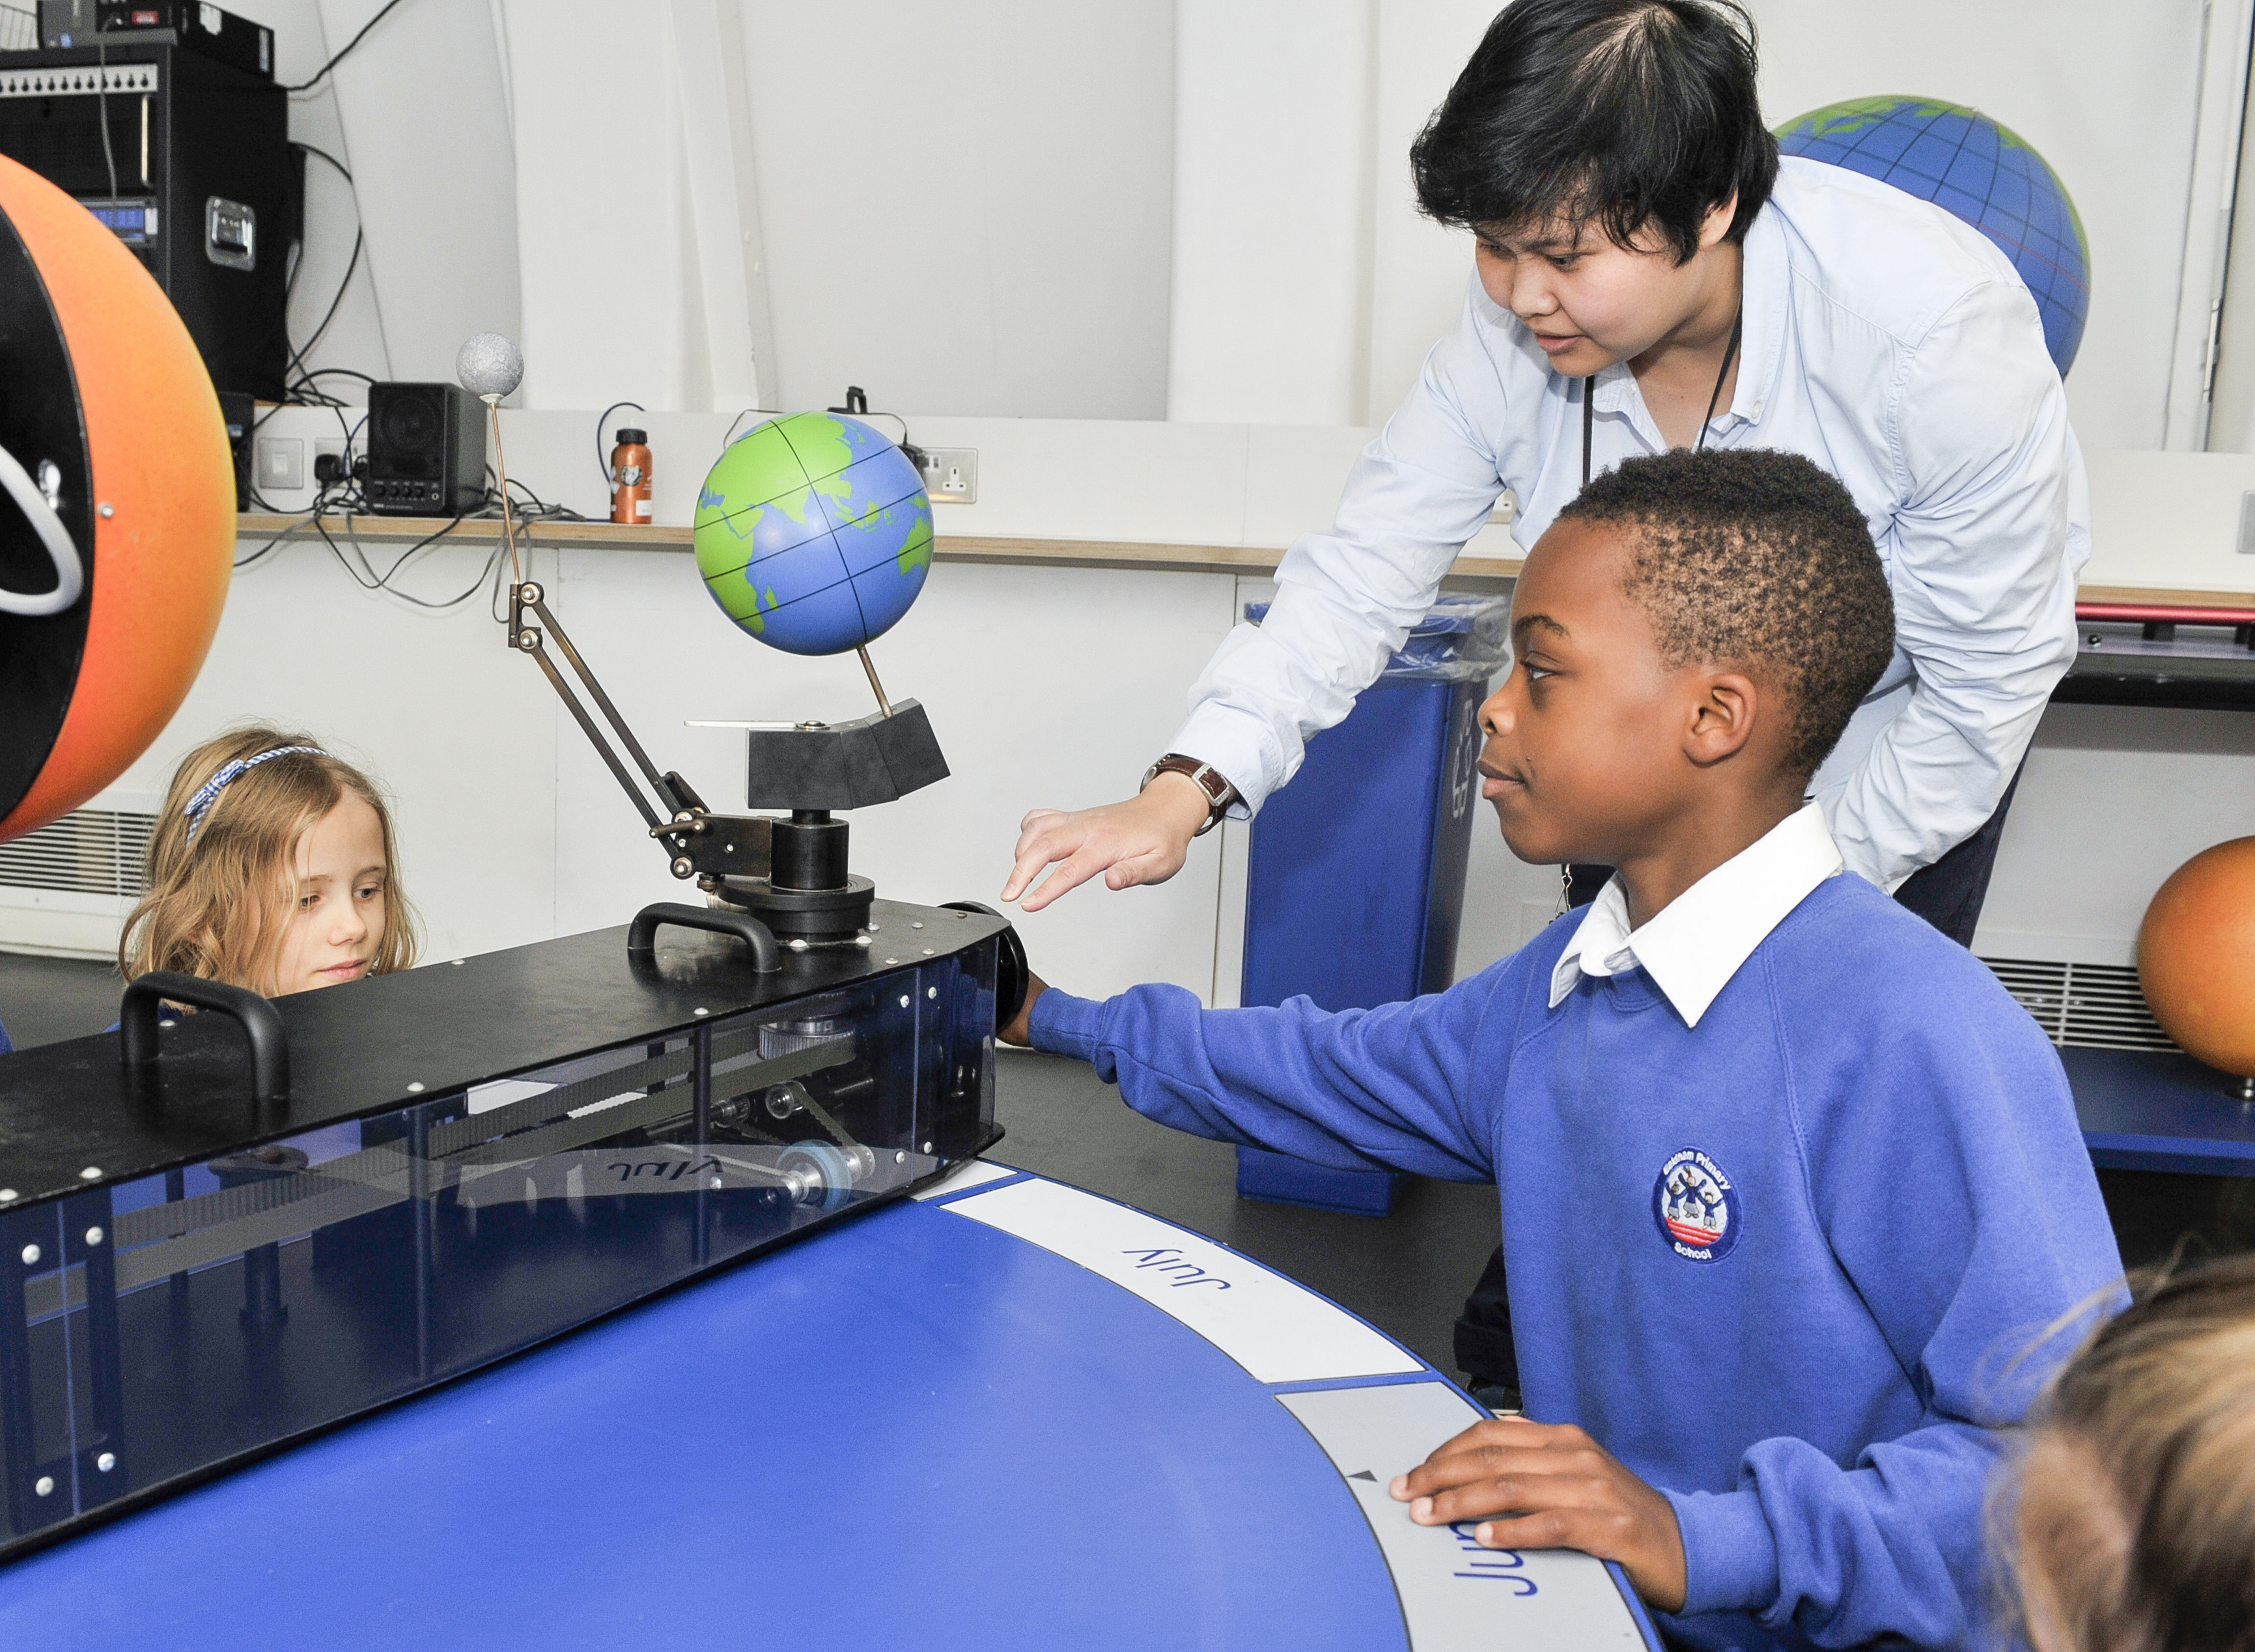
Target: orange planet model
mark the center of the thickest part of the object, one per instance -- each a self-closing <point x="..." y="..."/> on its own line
<point x="117" y="464"/>
<point x="2197" y="956"/>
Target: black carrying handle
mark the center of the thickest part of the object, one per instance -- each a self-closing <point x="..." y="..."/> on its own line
<point x="260" y="1021"/>
<point x="1012" y="975"/>
<point x="642" y="934"/>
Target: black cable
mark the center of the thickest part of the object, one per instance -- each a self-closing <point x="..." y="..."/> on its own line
<point x="772" y="412"/>
<point x="325" y="155"/>
<point x="383" y="12"/>
<point x="102" y="108"/>
<point x="603" y="464"/>
<point x="360" y="237"/>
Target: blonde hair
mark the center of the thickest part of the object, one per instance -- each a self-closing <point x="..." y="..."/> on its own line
<point x="222" y="888"/>
<point x="2156" y="1412"/>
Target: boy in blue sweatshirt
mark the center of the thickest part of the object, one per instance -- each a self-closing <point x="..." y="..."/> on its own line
<point x="1789" y="1183"/>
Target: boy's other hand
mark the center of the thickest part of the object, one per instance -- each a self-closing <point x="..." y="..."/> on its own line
<point x="1019" y="1031"/>
<point x="1143" y="840"/>
<point x="1534" y="1486"/>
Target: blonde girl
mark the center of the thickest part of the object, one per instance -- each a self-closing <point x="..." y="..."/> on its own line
<point x="2134" y="1529"/>
<point x="272" y="866"/>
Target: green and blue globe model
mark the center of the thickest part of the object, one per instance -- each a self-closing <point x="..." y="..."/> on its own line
<point x="813" y="533"/>
<point x="1983" y="172"/>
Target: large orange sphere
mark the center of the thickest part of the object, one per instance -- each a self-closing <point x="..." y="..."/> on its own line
<point x="104" y="397"/>
<point x="2197" y="956"/>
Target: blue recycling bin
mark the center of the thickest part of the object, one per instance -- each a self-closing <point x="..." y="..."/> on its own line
<point x="1355" y="883"/>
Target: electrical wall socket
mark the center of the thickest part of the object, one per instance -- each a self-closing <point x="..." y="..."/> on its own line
<point x="281" y="463"/>
<point x="951" y="475"/>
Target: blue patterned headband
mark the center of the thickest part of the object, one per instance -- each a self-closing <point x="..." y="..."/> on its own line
<point x="207" y="794"/>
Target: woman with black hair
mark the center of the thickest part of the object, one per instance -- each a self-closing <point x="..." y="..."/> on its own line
<point x="1649" y="275"/>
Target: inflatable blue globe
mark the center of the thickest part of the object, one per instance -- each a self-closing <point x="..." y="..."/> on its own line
<point x="1985" y="173"/>
<point x="813" y="533"/>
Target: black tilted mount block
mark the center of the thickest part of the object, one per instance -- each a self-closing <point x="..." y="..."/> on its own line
<point x="875" y="759"/>
<point x="789" y="872"/>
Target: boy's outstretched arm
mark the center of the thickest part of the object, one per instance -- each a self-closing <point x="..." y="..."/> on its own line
<point x="1358" y="1088"/>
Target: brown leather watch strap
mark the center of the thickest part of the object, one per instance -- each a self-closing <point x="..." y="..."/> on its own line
<point x="1220" y="793"/>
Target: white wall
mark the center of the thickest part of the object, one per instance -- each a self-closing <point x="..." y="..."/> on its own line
<point x="2111" y="108"/>
<point x="1000" y="207"/>
<point x="1272" y="187"/>
<point x="2107" y="95"/>
<point x="966" y="206"/>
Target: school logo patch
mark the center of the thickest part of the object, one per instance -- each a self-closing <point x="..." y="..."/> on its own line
<point x="1699" y="1216"/>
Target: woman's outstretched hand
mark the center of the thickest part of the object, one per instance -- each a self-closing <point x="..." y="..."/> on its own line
<point x="1141" y="841"/>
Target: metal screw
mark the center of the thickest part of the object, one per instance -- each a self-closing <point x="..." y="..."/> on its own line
<point x="901" y="1157"/>
<point x="892" y="960"/>
<point x="415" y="1089"/>
<point x="91" y="1173"/>
<point x="528" y="639"/>
<point x="30" y="1254"/>
<point x="918" y="924"/>
<point x="798" y="945"/>
<point x="456" y="962"/>
<point x="927" y="951"/>
<point x="700" y="1012"/>
<point x="94" y="1236"/>
<point x="931" y="992"/>
<point x="46" y="1483"/>
<point x="904" y="997"/>
<point x="682" y="866"/>
<point x="875" y="927"/>
<point x="6" y="1193"/>
<point x="861" y="940"/>
<point x="107" y="1461"/>
<point x="108" y="509"/>
<point x="927" y="1147"/>
<point x="716" y="1181"/>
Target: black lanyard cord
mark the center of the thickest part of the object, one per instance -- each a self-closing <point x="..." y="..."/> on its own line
<point x="1589" y="405"/>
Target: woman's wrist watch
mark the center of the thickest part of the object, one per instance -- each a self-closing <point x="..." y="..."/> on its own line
<point x="1220" y="793"/>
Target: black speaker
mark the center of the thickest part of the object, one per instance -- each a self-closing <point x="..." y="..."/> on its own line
<point x="426" y="450"/>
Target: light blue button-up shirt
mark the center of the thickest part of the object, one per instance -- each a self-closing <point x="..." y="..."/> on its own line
<point x="1884" y="339"/>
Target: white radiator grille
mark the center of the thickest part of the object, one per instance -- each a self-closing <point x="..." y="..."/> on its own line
<point x="87" y="852"/>
<point x="2083" y="1006"/>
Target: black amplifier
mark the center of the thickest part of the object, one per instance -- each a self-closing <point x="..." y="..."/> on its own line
<point x="195" y="178"/>
<point x="203" y="28"/>
<point x="426" y="450"/>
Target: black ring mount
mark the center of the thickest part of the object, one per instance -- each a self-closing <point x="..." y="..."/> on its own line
<point x="1012" y="973"/>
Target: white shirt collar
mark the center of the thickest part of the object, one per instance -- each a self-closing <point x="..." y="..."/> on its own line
<point x="1701" y="937"/>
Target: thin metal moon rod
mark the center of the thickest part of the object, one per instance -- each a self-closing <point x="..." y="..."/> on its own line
<point x="883" y="705"/>
<point x="501" y="468"/>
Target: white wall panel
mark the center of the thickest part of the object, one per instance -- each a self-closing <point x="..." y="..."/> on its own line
<point x="2108" y="95"/>
<point x="966" y="206"/>
<point x="1271" y="197"/>
<point x="426" y="127"/>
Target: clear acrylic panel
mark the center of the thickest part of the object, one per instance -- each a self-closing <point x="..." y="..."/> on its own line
<point x="172" y="1324"/>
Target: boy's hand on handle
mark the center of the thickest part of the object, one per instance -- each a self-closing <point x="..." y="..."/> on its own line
<point x="1532" y="1486"/>
<point x="1141" y="841"/>
<point x="1019" y="1031"/>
